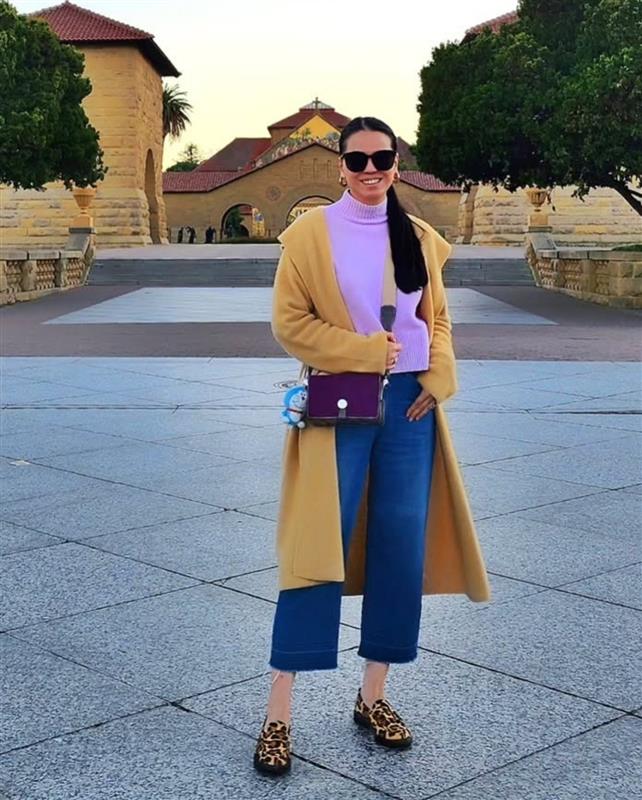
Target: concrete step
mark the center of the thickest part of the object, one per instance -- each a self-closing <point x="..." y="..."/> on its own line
<point x="234" y="272"/>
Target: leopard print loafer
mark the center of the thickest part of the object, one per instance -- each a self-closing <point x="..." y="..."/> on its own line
<point x="272" y="754"/>
<point x="389" y="729"/>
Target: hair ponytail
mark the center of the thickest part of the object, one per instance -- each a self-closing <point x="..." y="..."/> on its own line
<point x="410" y="266"/>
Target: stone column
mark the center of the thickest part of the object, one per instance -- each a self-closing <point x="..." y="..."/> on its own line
<point x="28" y="275"/>
<point x="4" y="285"/>
<point x="61" y="271"/>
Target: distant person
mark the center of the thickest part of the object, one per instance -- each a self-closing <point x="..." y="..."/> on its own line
<point x="209" y="235"/>
<point x="180" y="236"/>
<point x="192" y="235"/>
<point x="327" y="312"/>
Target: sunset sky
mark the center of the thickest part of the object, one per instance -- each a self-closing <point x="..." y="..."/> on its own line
<point x="247" y="64"/>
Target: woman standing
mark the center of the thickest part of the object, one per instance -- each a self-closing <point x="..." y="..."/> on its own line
<point x="413" y="533"/>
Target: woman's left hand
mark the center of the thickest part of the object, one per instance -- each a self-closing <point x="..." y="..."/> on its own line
<point x="422" y="405"/>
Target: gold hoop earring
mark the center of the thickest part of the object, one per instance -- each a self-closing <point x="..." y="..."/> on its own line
<point x="342" y="180"/>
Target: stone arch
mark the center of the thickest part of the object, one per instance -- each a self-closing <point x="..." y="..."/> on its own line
<point x="298" y="193"/>
<point x="152" y="198"/>
<point x="252" y="219"/>
<point x="302" y="202"/>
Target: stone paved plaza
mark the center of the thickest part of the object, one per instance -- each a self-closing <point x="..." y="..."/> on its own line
<point x="138" y="580"/>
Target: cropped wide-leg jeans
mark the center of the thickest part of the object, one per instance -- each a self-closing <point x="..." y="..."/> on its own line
<point x="397" y="459"/>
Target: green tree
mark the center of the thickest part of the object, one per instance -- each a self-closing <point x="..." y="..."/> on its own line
<point x="44" y="132"/>
<point x="189" y="159"/>
<point x="552" y="100"/>
<point x="234" y="223"/>
<point x="176" y="110"/>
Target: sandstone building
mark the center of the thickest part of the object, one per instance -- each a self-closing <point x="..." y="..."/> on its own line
<point x="272" y="179"/>
<point x="125" y="67"/>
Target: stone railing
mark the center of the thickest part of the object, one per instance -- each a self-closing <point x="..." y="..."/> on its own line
<point x="27" y="274"/>
<point x="605" y="276"/>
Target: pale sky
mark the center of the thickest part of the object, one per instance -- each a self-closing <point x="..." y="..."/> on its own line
<point x="245" y="65"/>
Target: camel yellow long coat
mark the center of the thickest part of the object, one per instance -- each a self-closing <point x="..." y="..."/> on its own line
<point x="311" y="322"/>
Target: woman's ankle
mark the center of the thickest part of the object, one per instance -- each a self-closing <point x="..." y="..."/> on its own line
<point x="280" y="699"/>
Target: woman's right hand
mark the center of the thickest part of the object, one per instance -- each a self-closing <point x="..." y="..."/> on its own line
<point x="394" y="348"/>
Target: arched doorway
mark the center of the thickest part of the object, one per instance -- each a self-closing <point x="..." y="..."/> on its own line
<point x="305" y="204"/>
<point x="243" y="221"/>
<point x="152" y="199"/>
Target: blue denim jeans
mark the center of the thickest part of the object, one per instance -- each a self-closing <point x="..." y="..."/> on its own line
<point x="398" y="457"/>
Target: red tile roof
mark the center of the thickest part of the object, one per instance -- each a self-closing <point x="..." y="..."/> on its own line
<point x="75" y="25"/>
<point x="426" y="181"/>
<point x="203" y="181"/>
<point x="236" y="155"/>
<point x="304" y="114"/>
<point x="494" y="24"/>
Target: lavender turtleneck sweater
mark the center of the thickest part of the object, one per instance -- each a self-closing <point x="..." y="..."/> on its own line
<point x="359" y="241"/>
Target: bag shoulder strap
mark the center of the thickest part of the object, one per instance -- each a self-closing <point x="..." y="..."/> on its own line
<point x="389" y="300"/>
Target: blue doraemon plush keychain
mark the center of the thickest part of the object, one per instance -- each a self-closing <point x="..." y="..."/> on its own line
<point x="295" y="400"/>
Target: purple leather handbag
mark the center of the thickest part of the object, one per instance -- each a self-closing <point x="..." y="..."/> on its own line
<point x="353" y="397"/>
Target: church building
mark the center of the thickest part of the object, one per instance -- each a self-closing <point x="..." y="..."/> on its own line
<point x="267" y="181"/>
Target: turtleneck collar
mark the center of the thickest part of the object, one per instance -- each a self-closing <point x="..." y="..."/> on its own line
<point x="356" y="211"/>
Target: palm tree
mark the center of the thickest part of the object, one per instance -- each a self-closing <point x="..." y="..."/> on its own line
<point x="176" y="110"/>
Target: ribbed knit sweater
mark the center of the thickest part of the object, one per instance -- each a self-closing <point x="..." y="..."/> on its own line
<point x="359" y="241"/>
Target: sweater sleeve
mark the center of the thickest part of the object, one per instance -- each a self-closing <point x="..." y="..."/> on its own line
<point x="440" y="379"/>
<point x="313" y="341"/>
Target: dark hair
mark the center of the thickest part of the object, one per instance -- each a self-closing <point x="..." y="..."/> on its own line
<point x="410" y="266"/>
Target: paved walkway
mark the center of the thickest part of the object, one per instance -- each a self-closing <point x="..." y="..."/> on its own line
<point x="199" y="252"/>
<point x="138" y="578"/>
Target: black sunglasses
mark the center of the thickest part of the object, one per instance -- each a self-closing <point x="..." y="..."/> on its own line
<point x="356" y="161"/>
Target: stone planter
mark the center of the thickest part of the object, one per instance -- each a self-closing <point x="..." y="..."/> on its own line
<point x="84" y="198"/>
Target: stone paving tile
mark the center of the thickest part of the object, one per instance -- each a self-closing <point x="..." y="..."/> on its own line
<point x="138" y="463"/>
<point x="107" y="508"/>
<point x="628" y="401"/>
<point x="44" y="696"/>
<point x="209" y="547"/>
<point x="595" y="384"/>
<point x="614" y="513"/>
<point x="32" y="445"/>
<point x="522" y="426"/>
<point x="445" y="702"/>
<point x="256" y="417"/>
<point x="266" y="382"/>
<point x="550" y="554"/>
<point x="172" y="645"/>
<point x="70" y="578"/>
<point x="16" y="538"/>
<point x="190" y="393"/>
<point x="29" y="481"/>
<point x="18" y="390"/>
<point x="137" y="424"/>
<point x="494" y="491"/>
<point x="563" y="641"/>
<point x="239" y="444"/>
<point x="596" y="420"/>
<point x="474" y="448"/>
<point x="230" y="486"/>
<point x="501" y="371"/>
<point x="609" y="465"/>
<point x="162" y="754"/>
<point x="265" y="510"/>
<point x="520" y="396"/>
<point x="623" y="586"/>
<point x="601" y="764"/>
